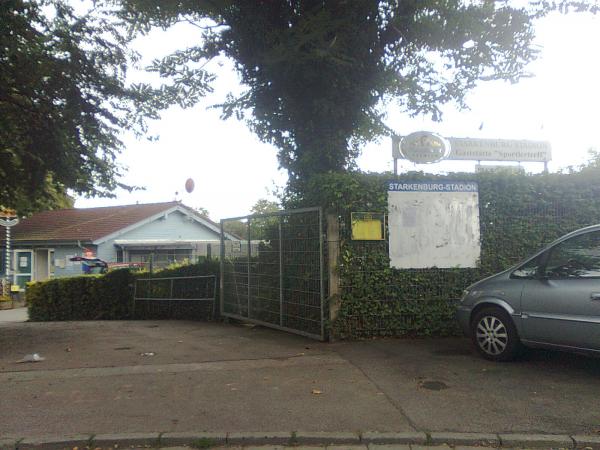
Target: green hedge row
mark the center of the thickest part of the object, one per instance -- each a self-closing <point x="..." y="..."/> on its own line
<point x="102" y="297"/>
<point x="518" y="215"/>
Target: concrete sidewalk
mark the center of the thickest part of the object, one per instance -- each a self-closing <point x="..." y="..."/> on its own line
<point x="14" y="315"/>
<point x="173" y="377"/>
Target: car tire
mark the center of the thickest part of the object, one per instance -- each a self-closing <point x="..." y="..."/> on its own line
<point x="494" y="334"/>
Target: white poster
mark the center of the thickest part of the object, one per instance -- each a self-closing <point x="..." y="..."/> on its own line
<point x="433" y="224"/>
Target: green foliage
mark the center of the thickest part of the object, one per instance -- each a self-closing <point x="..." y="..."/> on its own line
<point x="258" y="227"/>
<point x="100" y="297"/>
<point x="87" y="297"/>
<point x="64" y="101"/>
<point x="318" y="74"/>
<point x="518" y="215"/>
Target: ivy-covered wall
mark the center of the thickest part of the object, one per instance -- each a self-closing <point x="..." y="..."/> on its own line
<point x="518" y="215"/>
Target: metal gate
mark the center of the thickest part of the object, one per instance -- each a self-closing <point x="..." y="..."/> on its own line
<point x="273" y="275"/>
<point x="191" y="297"/>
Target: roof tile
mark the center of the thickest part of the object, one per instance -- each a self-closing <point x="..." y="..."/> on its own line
<point x="84" y="224"/>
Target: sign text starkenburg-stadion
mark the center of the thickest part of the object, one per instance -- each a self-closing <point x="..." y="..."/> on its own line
<point x="432" y="187"/>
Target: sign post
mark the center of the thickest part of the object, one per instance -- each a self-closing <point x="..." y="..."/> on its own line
<point x="8" y="219"/>
<point x="424" y="147"/>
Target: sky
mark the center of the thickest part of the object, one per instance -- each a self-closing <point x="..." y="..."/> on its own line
<point x="232" y="169"/>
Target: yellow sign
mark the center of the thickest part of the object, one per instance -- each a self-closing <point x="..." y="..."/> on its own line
<point x="368" y="226"/>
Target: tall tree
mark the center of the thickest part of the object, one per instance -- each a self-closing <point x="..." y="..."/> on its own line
<point x="64" y="101"/>
<point x="319" y="73"/>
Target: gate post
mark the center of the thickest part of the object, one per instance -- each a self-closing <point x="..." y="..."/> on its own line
<point x="221" y="305"/>
<point x="333" y="253"/>
<point x="280" y="272"/>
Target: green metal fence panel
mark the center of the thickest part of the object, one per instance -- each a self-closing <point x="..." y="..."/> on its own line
<point x="274" y="275"/>
<point x="192" y="297"/>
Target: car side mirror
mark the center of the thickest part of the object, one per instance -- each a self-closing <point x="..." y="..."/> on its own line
<point x="541" y="275"/>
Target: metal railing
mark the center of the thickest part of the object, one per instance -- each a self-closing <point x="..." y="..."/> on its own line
<point x="165" y="297"/>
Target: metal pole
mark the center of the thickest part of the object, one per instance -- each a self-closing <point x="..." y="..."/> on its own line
<point x="249" y="250"/>
<point x="280" y="273"/>
<point x="321" y="274"/>
<point x="395" y="167"/>
<point x="6" y="290"/>
<point x="214" y="296"/>
<point x="135" y="284"/>
<point x="171" y="301"/>
<point x="222" y="272"/>
<point x="7" y="222"/>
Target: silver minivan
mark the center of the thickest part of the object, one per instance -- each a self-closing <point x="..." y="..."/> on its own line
<point x="551" y="300"/>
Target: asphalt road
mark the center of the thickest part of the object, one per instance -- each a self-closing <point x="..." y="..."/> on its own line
<point x="124" y="377"/>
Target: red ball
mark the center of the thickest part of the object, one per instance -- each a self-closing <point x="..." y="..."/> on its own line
<point x="189" y="185"/>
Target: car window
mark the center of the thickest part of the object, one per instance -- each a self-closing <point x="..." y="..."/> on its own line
<point x="528" y="270"/>
<point x="578" y="257"/>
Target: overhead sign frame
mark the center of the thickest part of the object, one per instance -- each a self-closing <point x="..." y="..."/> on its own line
<point x="414" y="147"/>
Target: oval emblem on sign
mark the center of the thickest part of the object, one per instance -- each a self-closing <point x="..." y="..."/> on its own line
<point x="424" y="147"/>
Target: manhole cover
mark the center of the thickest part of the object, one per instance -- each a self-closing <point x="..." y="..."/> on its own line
<point x="434" y="385"/>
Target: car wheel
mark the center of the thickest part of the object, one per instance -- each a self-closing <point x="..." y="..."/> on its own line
<point x="494" y="334"/>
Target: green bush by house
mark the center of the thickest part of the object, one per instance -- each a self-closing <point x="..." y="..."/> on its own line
<point x="100" y="297"/>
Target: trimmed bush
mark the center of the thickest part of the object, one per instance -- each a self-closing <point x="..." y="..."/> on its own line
<point x="86" y="297"/>
<point x="100" y="297"/>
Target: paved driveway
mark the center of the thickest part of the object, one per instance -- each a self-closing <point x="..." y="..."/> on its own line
<point x="109" y="377"/>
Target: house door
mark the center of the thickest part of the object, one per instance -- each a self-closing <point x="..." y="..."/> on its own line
<point x="23" y="267"/>
<point x="41" y="264"/>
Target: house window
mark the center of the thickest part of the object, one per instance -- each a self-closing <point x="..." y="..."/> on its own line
<point x="160" y="257"/>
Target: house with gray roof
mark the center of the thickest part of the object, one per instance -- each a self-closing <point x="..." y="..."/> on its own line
<point x="157" y="233"/>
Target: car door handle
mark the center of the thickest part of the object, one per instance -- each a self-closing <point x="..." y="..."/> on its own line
<point x="595" y="296"/>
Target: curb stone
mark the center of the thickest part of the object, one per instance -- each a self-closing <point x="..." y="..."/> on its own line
<point x="586" y="441"/>
<point x="326" y="438"/>
<point x="258" y="438"/>
<point x="49" y="443"/>
<point x="186" y="438"/>
<point x="473" y="439"/>
<point x="389" y="447"/>
<point x="142" y="439"/>
<point x="307" y="440"/>
<point x="373" y="437"/>
<point x="537" y="440"/>
<point x="8" y="443"/>
<point x="347" y="447"/>
<point x="430" y="447"/>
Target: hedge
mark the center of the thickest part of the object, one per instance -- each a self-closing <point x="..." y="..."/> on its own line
<point x="519" y="214"/>
<point x="100" y="297"/>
